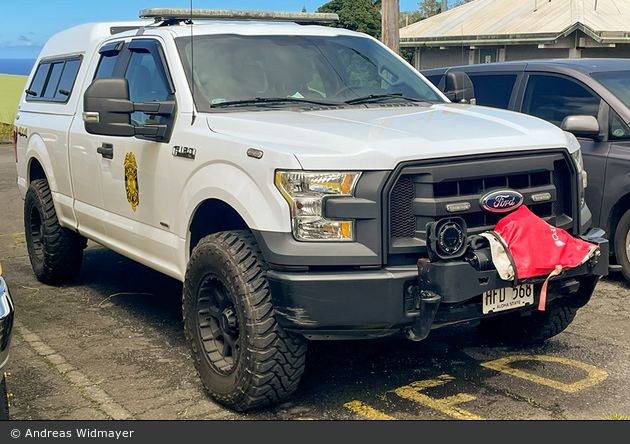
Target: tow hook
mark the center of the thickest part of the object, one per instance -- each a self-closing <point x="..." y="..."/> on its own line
<point x="427" y="304"/>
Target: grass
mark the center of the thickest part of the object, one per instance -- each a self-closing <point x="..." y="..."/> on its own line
<point x="616" y="417"/>
<point x="11" y="88"/>
<point x="6" y="131"/>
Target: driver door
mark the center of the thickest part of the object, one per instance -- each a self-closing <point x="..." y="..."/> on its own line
<point x="134" y="177"/>
<point x="131" y="167"/>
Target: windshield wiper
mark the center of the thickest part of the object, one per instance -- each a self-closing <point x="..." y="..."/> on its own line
<point x="272" y="100"/>
<point x="372" y="98"/>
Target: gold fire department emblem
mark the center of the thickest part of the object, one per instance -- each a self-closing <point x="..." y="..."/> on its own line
<point x="131" y="180"/>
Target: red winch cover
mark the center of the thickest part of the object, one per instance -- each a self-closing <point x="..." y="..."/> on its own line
<point x="538" y="248"/>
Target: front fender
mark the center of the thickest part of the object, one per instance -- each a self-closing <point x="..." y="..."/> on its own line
<point x="255" y="199"/>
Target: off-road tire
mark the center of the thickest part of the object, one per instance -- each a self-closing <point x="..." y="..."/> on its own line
<point x="531" y="329"/>
<point x="56" y="253"/>
<point x="244" y="358"/>
<point x="621" y="244"/>
<point x="4" y="399"/>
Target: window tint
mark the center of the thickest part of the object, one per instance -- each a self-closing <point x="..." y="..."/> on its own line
<point x="109" y="55"/>
<point x="229" y="68"/>
<point x="68" y="76"/>
<point x="53" y="80"/>
<point x="617" y="82"/>
<point x="434" y="79"/>
<point x="147" y="83"/>
<point x="358" y="69"/>
<point x="493" y="91"/>
<point x="37" y="85"/>
<point x="106" y="66"/>
<point x="553" y="98"/>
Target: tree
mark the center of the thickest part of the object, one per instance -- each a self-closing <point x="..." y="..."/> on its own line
<point x="409" y="17"/>
<point x="426" y="9"/>
<point x="429" y="8"/>
<point x="357" y="15"/>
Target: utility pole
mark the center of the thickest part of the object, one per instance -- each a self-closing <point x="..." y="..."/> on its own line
<point x="444" y="5"/>
<point x="390" y="26"/>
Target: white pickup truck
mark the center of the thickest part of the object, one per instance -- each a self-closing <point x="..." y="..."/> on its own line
<point x="303" y="181"/>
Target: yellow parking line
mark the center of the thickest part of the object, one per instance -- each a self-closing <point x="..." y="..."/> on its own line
<point x="444" y="405"/>
<point x="595" y="374"/>
<point x="367" y="411"/>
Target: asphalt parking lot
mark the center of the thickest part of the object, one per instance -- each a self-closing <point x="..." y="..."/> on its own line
<point x="110" y="346"/>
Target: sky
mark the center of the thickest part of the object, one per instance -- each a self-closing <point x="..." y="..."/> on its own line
<point x="27" y="24"/>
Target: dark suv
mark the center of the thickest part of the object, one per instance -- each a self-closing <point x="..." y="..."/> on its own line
<point x="6" y="326"/>
<point x="588" y="97"/>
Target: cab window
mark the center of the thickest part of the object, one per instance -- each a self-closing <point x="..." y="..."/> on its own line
<point x="147" y="83"/>
<point x="109" y="56"/>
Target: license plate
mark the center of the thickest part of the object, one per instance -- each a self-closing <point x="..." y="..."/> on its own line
<point x="508" y="298"/>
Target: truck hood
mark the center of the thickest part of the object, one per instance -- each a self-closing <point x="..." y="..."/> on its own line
<point x="381" y="137"/>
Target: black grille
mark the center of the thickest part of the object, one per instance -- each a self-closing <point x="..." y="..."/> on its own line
<point x="422" y="192"/>
<point x="403" y="221"/>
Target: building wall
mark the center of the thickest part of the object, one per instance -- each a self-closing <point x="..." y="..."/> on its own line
<point x="529" y="52"/>
<point x="620" y="51"/>
<point x="575" y="45"/>
<point x="437" y="58"/>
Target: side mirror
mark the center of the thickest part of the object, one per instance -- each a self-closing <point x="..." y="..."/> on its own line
<point x="459" y="88"/>
<point x="107" y="108"/>
<point x="107" y="111"/>
<point x="581" y="126"/>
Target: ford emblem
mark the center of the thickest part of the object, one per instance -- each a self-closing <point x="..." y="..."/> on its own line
<point x="502" y="201"/>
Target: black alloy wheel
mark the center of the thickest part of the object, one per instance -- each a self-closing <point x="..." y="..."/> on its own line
<point x="218" y="324"/>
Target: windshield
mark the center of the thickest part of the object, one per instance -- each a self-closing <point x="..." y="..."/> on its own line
<point x="324" y="70"/>
<point x="617" y="82"/>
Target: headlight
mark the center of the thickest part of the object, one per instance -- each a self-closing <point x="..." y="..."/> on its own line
<point x="578" y="160"/>
<point x="306" y="193"/>
<point x="576" y="155"/>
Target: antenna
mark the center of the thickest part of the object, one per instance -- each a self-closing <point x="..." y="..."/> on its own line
<point x="192" y="66"/>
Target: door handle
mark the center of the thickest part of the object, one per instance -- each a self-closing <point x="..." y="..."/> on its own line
<point x="106" y="150"/>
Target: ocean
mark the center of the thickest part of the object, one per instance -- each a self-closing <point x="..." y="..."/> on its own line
<point x="17" y="67"/>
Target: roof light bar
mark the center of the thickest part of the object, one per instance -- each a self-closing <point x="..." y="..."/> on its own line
<point x="181" y="14"/>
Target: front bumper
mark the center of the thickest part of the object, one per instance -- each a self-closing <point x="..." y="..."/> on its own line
<point x="6" y="322"/>
<point x="413" y="300"/>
